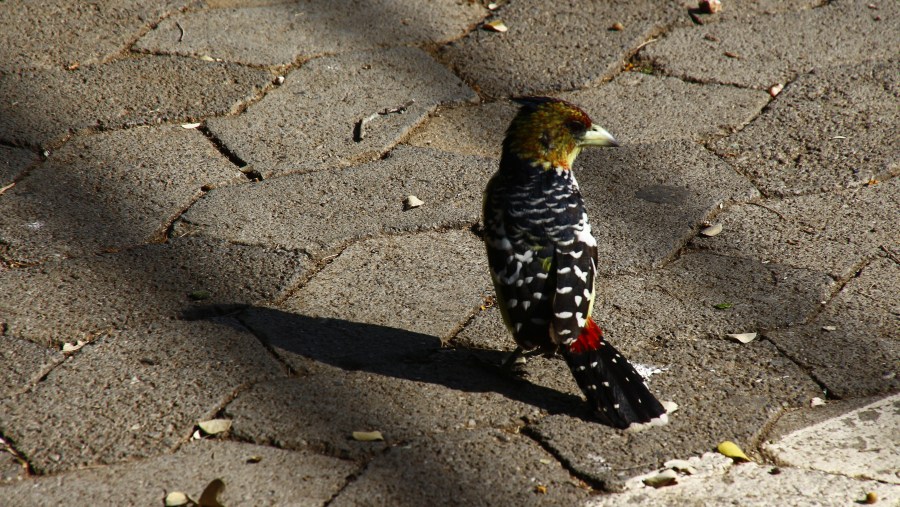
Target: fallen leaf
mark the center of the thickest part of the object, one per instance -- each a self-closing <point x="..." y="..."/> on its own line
<point x="210" y="495"/>
<point x="664" y="478"/>
<point x="742" y="337"/>
<point x="215" y="426"/>
<point x="176" y="499"/>
<point x="207" y="58"/>
<point x="731" y="449"/>
<point x="254" y="459"/>
<point x="72" y="347"/>
<point x="540" y="489"/>
<point x="367" y="436"/>
<point x="411" y="202"/>
<point x="712" y="230"/>
<point x="495" y="26"/>
<point x="723" y="306"/>
<point x="199" y="295"/>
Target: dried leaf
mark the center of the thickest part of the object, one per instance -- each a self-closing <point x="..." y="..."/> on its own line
<point x="176" y="499"/>
<point x="495" y="26"/>
<point x="72" y="347"/>
<point x="210" y="495"/>
<point x="731" y="449"/>
<point x="540" y="489"/>
<point x="367" y="436"/>
<point x="215" y="426"/>
<point x="664" y="478"/>
<point x="742" y="337"/>
<point x="411" y="202"/>
<point x="712" y="230"/>
<point x="680" y="465"/>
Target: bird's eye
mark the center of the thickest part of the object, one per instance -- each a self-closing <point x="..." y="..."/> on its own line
<point x="576" y="126"/>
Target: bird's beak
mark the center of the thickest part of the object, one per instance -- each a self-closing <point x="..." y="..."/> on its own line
<point x="597" y="136"/>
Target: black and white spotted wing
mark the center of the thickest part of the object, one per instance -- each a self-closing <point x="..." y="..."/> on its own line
<point x="542" y="257"/>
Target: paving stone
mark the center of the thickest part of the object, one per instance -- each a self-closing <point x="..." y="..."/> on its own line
<point x="829" y="233"/>
<point x="860" y="356"/>
<point x="108" y="191"/>
<point x="427" y="283"/>
<point x="282" y="33"/>
<point x="320" y="212"/>
<point x="23" y="363"/>
<point x="857" y="444"/>
<point x="59" y="33"/>
<point x="577" y="47"/>
<point x="13" y="161"/>
<point x="312" y="120"/>
<point x="832" y="128"/>
<point x="725" y="391"/>
<point x="290" y="413"/>
<point x="135" y="393"/>
<point x="647" y="201"/>
<point x="635" y="107"/>
<point x="680" y="300"/>
<point x="81" y="299"/>
<point x="482" y="467"/>
<point x="722" y="483"/>
<point x="46" y="105"/>
<point x="775" y="49"/>
<point x="272" y="477"/>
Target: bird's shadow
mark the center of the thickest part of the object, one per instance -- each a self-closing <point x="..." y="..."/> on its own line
<point x="391" y="352"/>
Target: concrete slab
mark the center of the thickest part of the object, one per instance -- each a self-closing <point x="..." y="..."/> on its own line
<point x="23" y="363"/>
<point x="721" y="483"/>
<point x="82" y="299"/>
<point x="271" y="477"/>
<point x="109" y="191"/>
<point x="321" y="212"/>
<point x="436" y="280"/>
<point x="290" y="413"/>
<point x="840" y="122"/>
<point x="59" y="33"/>
<point x="481" y="467"/>
<point x="864" y="316"/>
<point x="13" y="161"/>
<point x="635" y="107"/>
<point x="724" y="390"/>
<point x="592" y="51"/>
<point x="680" y="300"/>
<point x="135" y="393"/>
<point x="769" y="50"/>
<point x="646" y="201"/>
<point x="858" y="444"/>
<point x="312" y="120"/>
<point x="282" y="33"/>
<point x="45" y="106"/>
<point x="831" y="233"/>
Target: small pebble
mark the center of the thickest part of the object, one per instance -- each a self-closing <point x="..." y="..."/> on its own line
<point x="710" y="6"/>
<point x="712" y="230"/>
<point x="775" y="89"/>
<point x="618" y="27"/>
<point x="412" y="202"/>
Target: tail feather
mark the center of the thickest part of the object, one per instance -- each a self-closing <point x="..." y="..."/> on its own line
<point x="615" y="390"/>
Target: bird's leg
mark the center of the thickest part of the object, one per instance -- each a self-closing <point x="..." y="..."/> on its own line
<point x="514" y="364"/>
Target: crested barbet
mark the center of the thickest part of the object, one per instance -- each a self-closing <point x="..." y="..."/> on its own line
<point x="543" y="257"/>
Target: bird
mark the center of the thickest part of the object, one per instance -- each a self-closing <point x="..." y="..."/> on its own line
<point x="542" y="257"/>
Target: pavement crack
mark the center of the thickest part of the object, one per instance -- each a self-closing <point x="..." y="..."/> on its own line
<point x="566" y="464"/>
<point x="6" y="446"/>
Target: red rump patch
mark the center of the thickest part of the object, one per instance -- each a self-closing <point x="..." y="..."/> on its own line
<point x="591" y="338"/>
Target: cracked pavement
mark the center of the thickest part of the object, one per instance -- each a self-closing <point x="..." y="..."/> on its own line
<point x="202" y="216"/>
